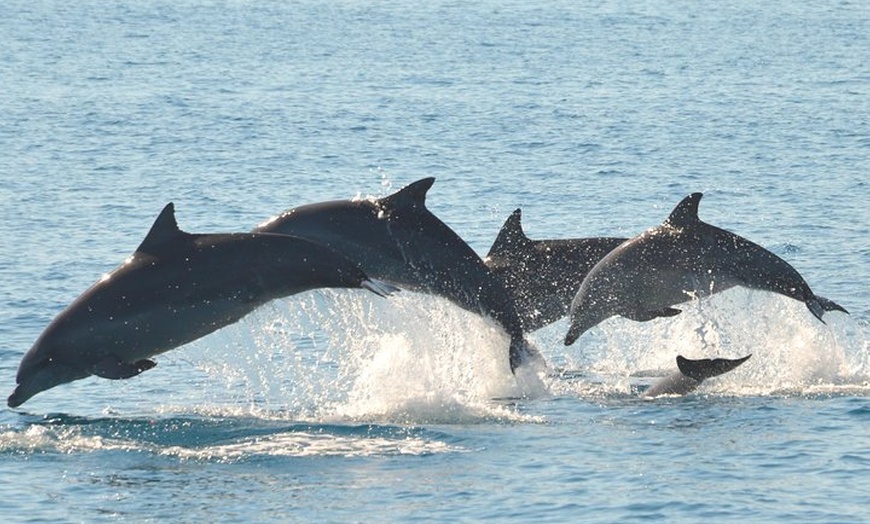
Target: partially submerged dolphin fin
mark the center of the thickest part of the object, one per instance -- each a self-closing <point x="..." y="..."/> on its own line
<point x="379" y="287"/>
<point x="510" y="236"/>
<point x="113" y="368"/>
<point x="165" y="229"/>
<point x="686" y="212"/>
<point x="643" y="316"/>
<point x="521" y="350"/>
<point x="703" y="369"/>
<point x="412" y="195"/>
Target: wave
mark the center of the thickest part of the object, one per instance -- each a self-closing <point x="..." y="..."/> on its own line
<point x="219" y="438"/>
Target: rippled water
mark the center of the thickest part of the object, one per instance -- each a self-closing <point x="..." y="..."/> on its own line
<point x="340" y="406"/>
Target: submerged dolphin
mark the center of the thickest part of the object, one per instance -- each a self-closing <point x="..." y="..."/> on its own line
<point x="690" y="375"/>
<point x="542" y="275"/>
<point x="682" y="259"/>
<point x="175" y="288"/>
<point x="398" y="240"/>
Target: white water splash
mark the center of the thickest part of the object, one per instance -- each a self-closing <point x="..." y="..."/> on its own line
<point x="792" y="351"/>
<point x="412" y="358"/>
<point x="308" y="444"/>
<point x="416" y="359"/>
<point x="66" y="440"/>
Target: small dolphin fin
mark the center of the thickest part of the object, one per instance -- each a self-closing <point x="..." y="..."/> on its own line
<point x="686" y="212"/>
<point x="643" y="316"/>
<point x="829" y="305"/>
<point x="510" y="236"/>
<point x="521" y="350"/>
<point x="703" y="369"/>
<point x="113" y="368"/>
<point x="412" y="195"/>
<point x="164" y="229"/>
<point x="379" y="287"/>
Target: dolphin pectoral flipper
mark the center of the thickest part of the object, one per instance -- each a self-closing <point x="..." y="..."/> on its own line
<point x="113" y="368"/>
<point x="703" y="369"/>
<point x="643" y="316"/>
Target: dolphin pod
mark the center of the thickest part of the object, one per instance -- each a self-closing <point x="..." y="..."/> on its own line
<point x="176" y="287"/>
<point x="677" y="261"/>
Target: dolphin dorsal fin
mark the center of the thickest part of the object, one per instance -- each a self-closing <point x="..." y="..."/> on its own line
<point x="164" y="229"/>
<point x="510" y="236"/>
<point x="703" y="369"/>
<point x="412" y="195"/>
<point x="686" y="211"/>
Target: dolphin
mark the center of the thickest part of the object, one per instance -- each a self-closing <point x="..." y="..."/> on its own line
<point x="541" y="275"/>
<point x="398" y="240"/>
<point x="679" y="260"/>
<point x="690" y="375"/>
<point x="175" y="288"/>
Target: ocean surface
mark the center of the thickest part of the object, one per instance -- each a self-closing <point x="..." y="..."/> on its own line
<point x="595" y="118"/>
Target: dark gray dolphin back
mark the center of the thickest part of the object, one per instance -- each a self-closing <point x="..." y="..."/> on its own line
<point x="398" y="240"/>
<point x="754" y="266"/>
<point x="542" y="275"/>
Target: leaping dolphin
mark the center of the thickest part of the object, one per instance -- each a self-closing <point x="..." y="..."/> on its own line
<point x="542" y="275"/>
<point x="398" y="240"/>
<point x="679" y="260"/>
<point x="176" y="287"/>
<point x="690" y="375"/>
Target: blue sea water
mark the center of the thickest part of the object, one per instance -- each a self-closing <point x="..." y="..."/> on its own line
<point x="595" y="118"/>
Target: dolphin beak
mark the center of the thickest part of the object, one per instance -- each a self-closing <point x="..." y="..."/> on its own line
<point x="17" y="398"/>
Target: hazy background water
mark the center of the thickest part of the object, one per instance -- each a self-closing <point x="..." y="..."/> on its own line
<point x="336" y="406"/>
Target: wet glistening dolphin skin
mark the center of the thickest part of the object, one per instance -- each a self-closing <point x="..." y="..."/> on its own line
<point x="691" y="374"/>
<point x="175" y="288"/>
<point x="682" y="259"/>
<point x="542" y="275"/>
<point x="398" y="240"/>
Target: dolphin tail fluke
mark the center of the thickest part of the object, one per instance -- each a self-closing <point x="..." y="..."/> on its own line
<point x="379" y="287"/>
<point x="829" y="305"/>
<point x="703" y="369"/>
